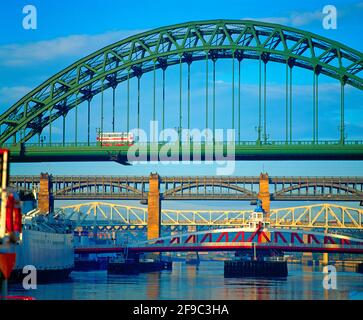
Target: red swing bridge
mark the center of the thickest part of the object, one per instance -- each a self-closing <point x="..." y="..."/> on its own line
<point x="255" y="237"/>
<point x="258" y="246"/>
<point x="269" y="241"/>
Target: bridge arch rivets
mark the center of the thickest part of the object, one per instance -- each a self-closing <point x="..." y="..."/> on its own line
<point x="188" y="58"/>
<point x="317" y="69"/>
<point x="344" y="80"/>
<point x="239" y="55"/>
<point x="213" y="55"/>
<point x="112" y="80"/>
<point x="265" y="57"/>
<point x="291" y="62"/>
<point x="87" y="93"/>
<point x="163" y="63"/>
<point x="137" y="71"/>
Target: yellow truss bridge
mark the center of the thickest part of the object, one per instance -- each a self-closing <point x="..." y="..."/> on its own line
<point x="119" y="216"/>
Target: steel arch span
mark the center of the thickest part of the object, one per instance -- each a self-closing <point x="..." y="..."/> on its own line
<point x="183" y="44"/>
<point x="112" y="215"/>
<point x="196" y="187"/>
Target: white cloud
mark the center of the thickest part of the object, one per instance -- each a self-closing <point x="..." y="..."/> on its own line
<point x="70" y="46"/>
<point x="295" y="19"/>
<point x="277" y="20"/>
<point x="11" y="94"/>
<point x="299" y="19"/>
<point x="77" y="46"/>
<point x="305" y="18"/>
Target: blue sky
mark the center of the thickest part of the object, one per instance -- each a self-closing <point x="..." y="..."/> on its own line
<point x="68" y="30"/>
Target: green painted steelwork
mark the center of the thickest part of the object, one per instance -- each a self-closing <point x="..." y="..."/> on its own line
<point x="184" y="43"/>
<point x="248" y="150"/>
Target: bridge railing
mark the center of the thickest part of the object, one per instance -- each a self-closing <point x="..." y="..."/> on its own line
<point x="215" y="143"/>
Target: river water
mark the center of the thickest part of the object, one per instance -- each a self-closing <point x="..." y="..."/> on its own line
<point x="205" y="281"/>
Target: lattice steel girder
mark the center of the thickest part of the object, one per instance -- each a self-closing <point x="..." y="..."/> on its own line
<point x="325" y="216"/>
<point x="169" y="45"/>
<point x="198" y="187"/>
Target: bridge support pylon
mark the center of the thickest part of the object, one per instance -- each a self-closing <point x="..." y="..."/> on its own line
<point x="264" y="193"/>
<point x="154" y="207"/>
<point x="325" y="261"/>
<point x="45" y="195"/>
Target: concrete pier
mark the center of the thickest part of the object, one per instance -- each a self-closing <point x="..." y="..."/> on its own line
<point x="264" y="193"/>
<point x="45" y="195"/>
<point x="325" y="261"/>
<point x="154" y="207"/>
<point x="258" y="268"/>
<point x="154" y="212"/>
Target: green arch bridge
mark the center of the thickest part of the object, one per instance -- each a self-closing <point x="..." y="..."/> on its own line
<point x="75" y="97"/>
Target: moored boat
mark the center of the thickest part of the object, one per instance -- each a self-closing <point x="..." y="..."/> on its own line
<point x="46" y="242"/>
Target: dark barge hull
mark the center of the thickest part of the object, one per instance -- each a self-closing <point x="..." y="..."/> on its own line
<point x="43" y="276"/>
<point x="137" y="267"/>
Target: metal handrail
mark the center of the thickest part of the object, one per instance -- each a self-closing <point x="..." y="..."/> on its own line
<point x="215" y="143"/>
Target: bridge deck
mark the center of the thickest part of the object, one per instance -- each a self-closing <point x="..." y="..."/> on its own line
<point x="198" y="187"/>
<point x="249" y="150"/>
<point x="218" y="247"/>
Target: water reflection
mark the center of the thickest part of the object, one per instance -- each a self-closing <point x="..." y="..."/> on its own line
<point x="153" y="289"/>
<point x="193" y="282"/>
